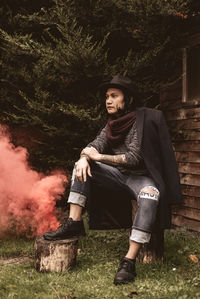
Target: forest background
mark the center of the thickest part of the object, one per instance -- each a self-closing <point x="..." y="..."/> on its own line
<point x="55" y="53"/>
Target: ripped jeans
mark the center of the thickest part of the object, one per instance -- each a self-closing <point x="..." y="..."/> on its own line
<point x="142" y="187"/>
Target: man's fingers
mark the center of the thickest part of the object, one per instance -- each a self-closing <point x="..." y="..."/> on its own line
<point x="79" y="175"/>
<point x="89" y="171"/>
<point x="84" y="175"/>
<point x="82" y="170"/>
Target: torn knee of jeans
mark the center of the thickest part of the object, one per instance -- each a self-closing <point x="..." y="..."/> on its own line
<point x="149" y="192"/>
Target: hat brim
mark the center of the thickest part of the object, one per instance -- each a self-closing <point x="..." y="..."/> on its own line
<point x="105" y="86"/>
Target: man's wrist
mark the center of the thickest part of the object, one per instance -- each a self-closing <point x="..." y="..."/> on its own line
<point x="84" y="156"/>
<point x="100" y="156"/>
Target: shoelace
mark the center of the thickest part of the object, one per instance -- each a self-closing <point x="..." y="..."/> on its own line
<point x="126" y="265"/>
<point x="68" y="222"/>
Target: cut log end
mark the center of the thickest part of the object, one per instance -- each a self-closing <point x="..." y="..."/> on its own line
<point x="55" y="256"/>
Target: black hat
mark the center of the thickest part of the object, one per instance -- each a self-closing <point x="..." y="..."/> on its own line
<point x="120" y="82"/>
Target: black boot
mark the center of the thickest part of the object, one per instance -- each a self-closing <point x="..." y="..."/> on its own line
<point x="69" y="229"/>
<point x="126" y="272"/>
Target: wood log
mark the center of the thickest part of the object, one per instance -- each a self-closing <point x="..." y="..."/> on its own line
<point x="55" y="256"/>
<point x="154" y="250"/>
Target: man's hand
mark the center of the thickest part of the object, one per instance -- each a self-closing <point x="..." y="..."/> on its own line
<point x="91" y="153"/>
<point x="82" y="169"/>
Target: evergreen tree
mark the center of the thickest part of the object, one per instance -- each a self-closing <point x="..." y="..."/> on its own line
<point x="54" y="54"/>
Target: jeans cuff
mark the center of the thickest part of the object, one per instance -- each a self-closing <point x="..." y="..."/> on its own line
<point x="140" y="236"/>
<point x="77" y="199"/>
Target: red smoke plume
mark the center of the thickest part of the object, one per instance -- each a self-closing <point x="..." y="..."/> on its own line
<point x="27" y="198"/>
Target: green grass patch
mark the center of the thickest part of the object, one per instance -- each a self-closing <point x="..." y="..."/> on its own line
<point x="100" y="252"/>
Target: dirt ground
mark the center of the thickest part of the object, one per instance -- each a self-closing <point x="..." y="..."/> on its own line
<point x="16" y="260"/>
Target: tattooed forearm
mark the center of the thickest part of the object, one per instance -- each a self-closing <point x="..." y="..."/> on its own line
<point x="114" y="159"/>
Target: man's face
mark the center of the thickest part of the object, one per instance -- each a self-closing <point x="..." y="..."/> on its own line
<point x="114" y="101"/>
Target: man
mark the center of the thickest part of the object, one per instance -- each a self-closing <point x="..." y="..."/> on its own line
<point x="132" y="153"/>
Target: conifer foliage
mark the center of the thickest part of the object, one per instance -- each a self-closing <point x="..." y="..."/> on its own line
<point x="54" y="54"/>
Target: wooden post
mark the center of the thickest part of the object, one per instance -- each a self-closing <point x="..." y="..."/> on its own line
<point x="153" y="251"/>
<point x="55" y="256"/>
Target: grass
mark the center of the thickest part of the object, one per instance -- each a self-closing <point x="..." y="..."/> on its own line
<point x="98" y="259"/>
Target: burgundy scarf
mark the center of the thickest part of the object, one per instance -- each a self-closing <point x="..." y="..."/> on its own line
<point x="116" y="129"/>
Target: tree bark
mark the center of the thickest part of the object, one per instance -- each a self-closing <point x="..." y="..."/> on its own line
<point x="55" y="256"/>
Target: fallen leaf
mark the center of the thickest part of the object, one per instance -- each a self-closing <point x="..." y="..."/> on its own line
<point x="130" y="294"/>
<point x="70" y="296"/>
<point x="194" y="258"/>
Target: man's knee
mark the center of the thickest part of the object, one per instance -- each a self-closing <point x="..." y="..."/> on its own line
<point x="149" y="192"/>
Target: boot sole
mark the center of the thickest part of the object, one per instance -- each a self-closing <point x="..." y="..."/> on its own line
<point x="116" y="282"/>
<point x="63" y="238"/>
<point x="123" y="282"/>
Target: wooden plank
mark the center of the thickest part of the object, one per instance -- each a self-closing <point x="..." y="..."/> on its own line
<point x="190" y="179"/>
<point x="190" y="190"/>
<point x="183" y="113"/>
<point x="192" y="168"/>
<point x="187" y="124"/>
<point x="187" y="212"/>
<point x="191" y="202"/>
<point x="172" y="104"/>
<point x="186" y="135"/>
<point x="188" y="223"/>
<point x="187" y="157"/>
<point x="187" y="146"/>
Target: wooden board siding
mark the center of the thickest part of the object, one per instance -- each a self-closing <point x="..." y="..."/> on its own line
<point x="183" y="114"/>
<point x="183" y="120"/>
<point x="181" y="221"/>
<point x="187" y="167"/>
<point x="187" y="156"/>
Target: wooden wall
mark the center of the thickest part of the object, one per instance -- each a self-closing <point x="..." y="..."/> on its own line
<point x="184" y="125"/>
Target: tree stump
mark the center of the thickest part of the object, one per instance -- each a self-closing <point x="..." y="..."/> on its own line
<point x="154" y="250"/>
<point x="55" y="256"/>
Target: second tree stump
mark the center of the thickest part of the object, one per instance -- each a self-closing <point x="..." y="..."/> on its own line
<point x="55" y="256"/>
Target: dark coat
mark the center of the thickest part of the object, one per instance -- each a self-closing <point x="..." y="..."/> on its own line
<point x="108" y="210"/>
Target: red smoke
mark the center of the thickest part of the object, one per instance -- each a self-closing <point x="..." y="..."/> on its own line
<point x="27" y="198"/>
